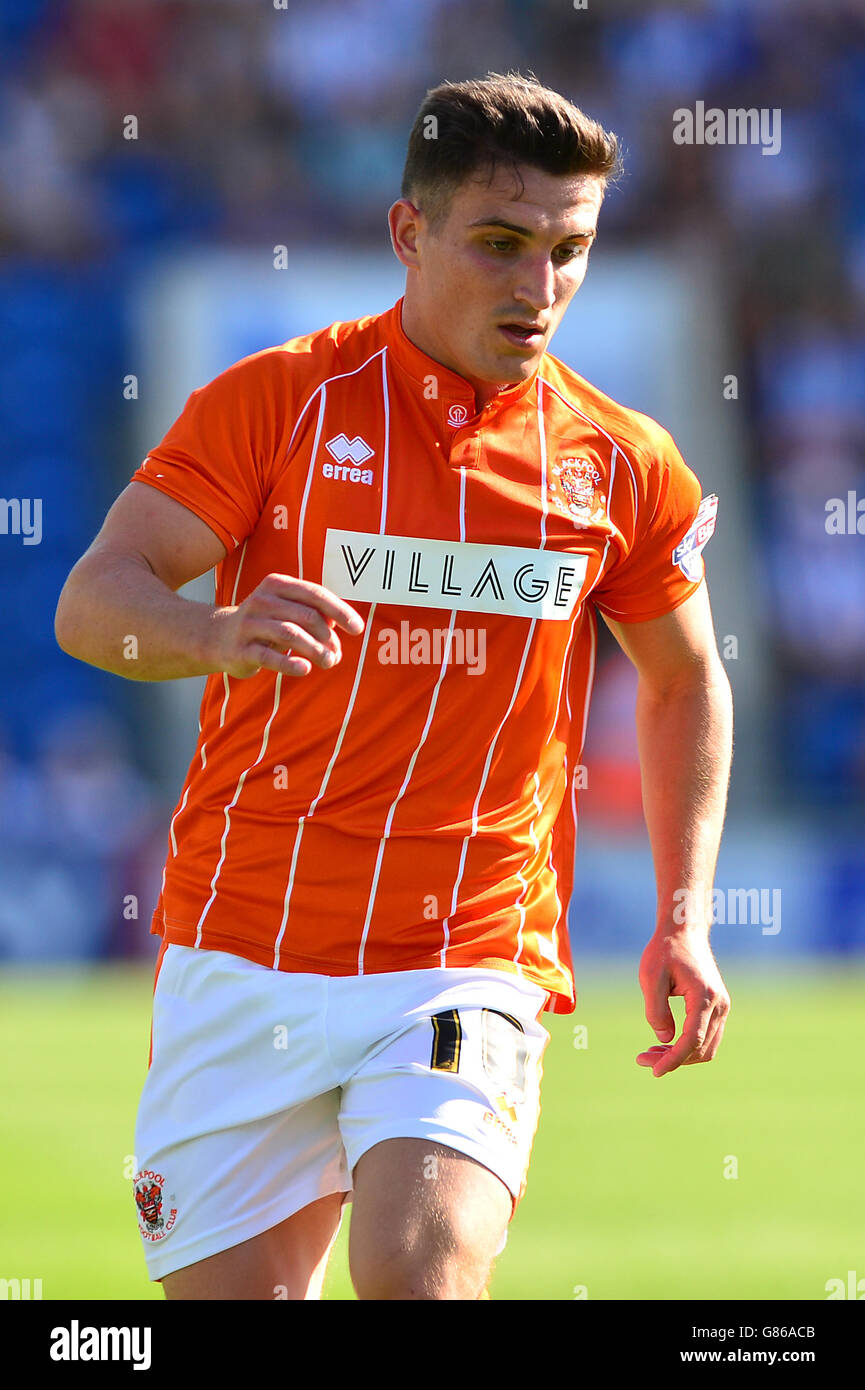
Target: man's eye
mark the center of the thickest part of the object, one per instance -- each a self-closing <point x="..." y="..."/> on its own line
<point x="564" y="254"/>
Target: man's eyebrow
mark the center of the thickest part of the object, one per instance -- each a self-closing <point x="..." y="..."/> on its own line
<point x="523" y="231"/>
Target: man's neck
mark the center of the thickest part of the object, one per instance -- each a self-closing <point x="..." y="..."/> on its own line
<point x="414" y="330"/>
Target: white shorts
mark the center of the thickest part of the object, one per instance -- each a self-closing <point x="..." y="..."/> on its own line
<point x="266" y="1087"/>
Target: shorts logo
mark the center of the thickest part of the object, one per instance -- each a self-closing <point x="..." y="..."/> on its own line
<point x="491" y="1118"/>
<point x="577" y="491"/>
<point x="687" y="553"/>
<point x="504" y="1107"/>
<point x="148" y="1199"/>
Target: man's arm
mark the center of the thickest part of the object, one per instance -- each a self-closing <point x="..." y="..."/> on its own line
<point x="124" y="586"/>
<point x="685" y="734"/>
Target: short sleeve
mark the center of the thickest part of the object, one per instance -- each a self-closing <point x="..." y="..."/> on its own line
<point x="218" y="456"/>
<point x="663" y="565"/>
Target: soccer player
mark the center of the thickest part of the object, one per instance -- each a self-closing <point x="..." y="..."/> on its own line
<point x="414" y="519"/>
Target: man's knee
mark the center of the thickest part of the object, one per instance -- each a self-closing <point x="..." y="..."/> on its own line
<point x="436" y="1264"/>
<point x="427" y="1222"/>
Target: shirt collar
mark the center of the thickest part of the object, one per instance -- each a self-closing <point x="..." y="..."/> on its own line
<point x="453" y="389"/>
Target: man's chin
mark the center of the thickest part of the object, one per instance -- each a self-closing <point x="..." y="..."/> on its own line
<point x="517" y="359"/>
<point x="511" y="368"/>
<point x="502" y="371"/>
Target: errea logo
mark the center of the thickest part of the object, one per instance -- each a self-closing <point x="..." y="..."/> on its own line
<point x="342" y="448"/>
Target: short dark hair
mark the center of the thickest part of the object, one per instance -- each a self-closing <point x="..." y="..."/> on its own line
<point x="464" y="127"/>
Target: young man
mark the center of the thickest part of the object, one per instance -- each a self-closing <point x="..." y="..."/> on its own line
<point x="414" y="518"/>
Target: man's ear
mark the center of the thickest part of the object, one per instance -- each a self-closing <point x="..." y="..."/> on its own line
<point x="404" y="221"/>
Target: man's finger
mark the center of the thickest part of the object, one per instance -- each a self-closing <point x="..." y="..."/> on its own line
<point x="716" y="1033"/>
<point x="694" y="1034"/>
<point x="705" y="1054"/>
<point x="716" y="1028"/>
<point x="317" y="596"/>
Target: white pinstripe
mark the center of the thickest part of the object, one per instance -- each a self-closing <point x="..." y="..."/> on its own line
<point x="278" y="686"/>
<point x="309" y="475"/>
<point x="589" y="683"/>
<point x="182" y="805"/>
<point x="566" y="667"/>
<point x="231" y="806"/>
<point x="446" y="921"/>
<point x="413" y="759"/>
<point x="401" y="793"/>
<point x="589" y="686"/>
<point x="569" y="781"/>
<point x="563" y="685"/>
<point x="519" y="680"/>
<point x="298" y="836"/>
<point x="542" y="446"/>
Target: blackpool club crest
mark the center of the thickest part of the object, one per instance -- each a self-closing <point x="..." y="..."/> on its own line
<point x="149" y="1201"/>
<point x="576" y="490"/>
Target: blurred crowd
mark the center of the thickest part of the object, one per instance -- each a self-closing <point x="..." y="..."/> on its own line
<point x="128" y="127"/>
<point x="82" y="844"/>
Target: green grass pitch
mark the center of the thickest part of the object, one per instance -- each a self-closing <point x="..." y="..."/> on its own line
<point x="631" y="1192"/>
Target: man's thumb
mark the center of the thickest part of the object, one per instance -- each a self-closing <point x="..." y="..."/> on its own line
<point x="660" y="1017"/>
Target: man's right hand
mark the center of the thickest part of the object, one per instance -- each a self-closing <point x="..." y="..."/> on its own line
<point x="120" y="609"/>
<point x="286" y="625"/>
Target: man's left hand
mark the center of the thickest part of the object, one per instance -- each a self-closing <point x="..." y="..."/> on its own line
<point x="681" y="963"/>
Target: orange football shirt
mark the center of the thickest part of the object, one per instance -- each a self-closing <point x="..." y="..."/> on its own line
<point x="416" y="805"/>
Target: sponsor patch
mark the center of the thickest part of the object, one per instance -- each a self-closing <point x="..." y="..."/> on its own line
<point x="687" y="553"/>
<point x="418" y="572"/>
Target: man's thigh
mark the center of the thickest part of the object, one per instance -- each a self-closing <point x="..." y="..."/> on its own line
<point x="237" y="1135"/>
<point x="438" y="1122"/>
<point x="287" y="1262"/>
<point x="457" y="1067"/>
<point x="426" y="1222"/>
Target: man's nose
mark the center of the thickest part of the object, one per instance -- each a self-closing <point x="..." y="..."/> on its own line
<point x="536" y="285"/>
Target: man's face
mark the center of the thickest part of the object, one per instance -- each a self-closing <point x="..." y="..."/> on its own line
<point x="487" y="288"/>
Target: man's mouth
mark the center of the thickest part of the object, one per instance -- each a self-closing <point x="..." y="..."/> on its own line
<point x="522" y="334"/>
